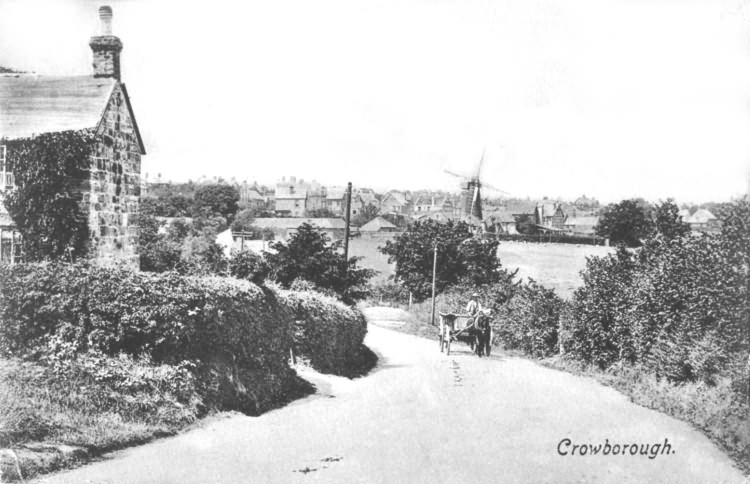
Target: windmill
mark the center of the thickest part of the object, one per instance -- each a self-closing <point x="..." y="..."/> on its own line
<point x="471" y="198"/>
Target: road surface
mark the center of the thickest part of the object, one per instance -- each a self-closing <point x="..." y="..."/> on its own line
<point x="424" y="417"/>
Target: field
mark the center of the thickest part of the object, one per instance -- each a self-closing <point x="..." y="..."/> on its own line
<point x="373" y="259"/>
<point x="556" y="266"/>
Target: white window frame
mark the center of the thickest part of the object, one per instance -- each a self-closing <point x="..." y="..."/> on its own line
<point x="6" y="177"/>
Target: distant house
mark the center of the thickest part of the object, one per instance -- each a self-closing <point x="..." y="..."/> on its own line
<point x="378" y="224"/>
<point x="395" y="202"/>
<point x="290" y="204"/>
<point x="581" y="225"/>
<point x="550" y="215"/>
<point x="335" y="228"/>
<point x="501" y="220"/>
<point x="703" y="221"/>
<point x="292" y="197"/>
<point x="251" y="198"/>
<point x="367" y="196"/>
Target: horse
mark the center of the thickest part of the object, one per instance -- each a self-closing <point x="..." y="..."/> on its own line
<point x="482" y="333"/>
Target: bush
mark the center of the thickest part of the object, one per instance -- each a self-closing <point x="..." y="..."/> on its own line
<point x="327" y="332"/>
<point x="678" y="306"/>
<point x="529" y="321"/>
<point x="309" y="254"/>
<point x="248" y="265"/>
<point x="236" y="333"/>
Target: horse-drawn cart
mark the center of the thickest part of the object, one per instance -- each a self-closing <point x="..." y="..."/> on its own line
<point x="474" y="331"/>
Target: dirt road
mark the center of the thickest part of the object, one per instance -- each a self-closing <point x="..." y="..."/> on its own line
<point x="422" y="417"/>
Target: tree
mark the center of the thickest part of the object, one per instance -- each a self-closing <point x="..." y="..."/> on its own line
<point x="668" y="222"/>
<point x="216" y="200"/>
<point x="627" y="222"/>
<point x="244" y="221"/>
<point x="157" y="252"/>
<point x="460" y="257"/>
<point x="309" y="254"/>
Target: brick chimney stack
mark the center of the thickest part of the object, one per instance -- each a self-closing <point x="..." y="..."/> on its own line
<point x="106" y="47"/>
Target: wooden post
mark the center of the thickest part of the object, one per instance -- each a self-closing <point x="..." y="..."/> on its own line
<point x="434" y="272"/>
<point x="348" y="220"/>
<point x="411" y="299"/>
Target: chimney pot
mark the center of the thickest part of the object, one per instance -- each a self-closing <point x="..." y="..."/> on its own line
<point x="105" y="20"/>
<point x="106" y="47"/>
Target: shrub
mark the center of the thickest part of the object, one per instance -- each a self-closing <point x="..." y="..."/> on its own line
<point x="309" y="254"/>
<point x="327" y="332"/>
<point x="530" y="319"/>
<point x="238" y="334"/>
<point x="248" y="265"/>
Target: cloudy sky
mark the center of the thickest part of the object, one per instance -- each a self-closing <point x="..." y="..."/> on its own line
<point x="611" y="98"/>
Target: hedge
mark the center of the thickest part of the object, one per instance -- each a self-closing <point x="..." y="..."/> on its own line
<point x="326" y="332"/>
<point x="235" y="334"/>
<point x="555" y="238"/>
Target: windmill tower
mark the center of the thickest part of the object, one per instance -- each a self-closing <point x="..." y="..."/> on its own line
<point x="471" y="196"/>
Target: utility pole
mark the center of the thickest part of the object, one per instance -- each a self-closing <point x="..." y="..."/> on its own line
<point x="348" y="220"/>
<point x="434" y="272"/>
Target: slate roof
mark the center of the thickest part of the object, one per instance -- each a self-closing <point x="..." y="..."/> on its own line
<point x="32" y="104"/>
<point x="377" y="224"/>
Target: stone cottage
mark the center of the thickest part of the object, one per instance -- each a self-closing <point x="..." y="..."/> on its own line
<point x="32" y="105"/>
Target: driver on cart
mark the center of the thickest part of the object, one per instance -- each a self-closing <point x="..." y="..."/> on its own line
<point x="473" y="308"/>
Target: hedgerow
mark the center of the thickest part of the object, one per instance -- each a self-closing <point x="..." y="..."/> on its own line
<point x="326" y="332"/>
<point x="235" y="334"/>
<point x="679" y="306"/>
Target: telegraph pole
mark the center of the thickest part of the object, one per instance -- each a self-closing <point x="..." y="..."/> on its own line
<point x="434" y="272"/>
<point x="348" y="220"/>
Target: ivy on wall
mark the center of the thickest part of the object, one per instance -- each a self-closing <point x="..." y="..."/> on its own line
<point x="50" y="170"/>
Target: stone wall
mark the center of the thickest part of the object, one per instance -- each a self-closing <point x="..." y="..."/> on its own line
<point x="115" y="186"/>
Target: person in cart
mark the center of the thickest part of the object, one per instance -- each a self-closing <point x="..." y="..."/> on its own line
<point x="473" y="308"/>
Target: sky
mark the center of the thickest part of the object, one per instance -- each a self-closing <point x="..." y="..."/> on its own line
<point x="608" y="98"/>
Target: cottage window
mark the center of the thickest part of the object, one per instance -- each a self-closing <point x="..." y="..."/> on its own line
<point x="6" y="177"/>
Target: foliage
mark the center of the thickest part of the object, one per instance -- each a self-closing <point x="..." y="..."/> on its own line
<point x="216" y="200"/>
<point x="627" y="222"/>
<point x="679" y="306"/>
<point x="460" y="257"/>
<point x="598" y="332"/>
<point x="326" y="332"/>
<point x="668" y="222"/>
<point x="553" y="237"/>
<point x="321" y="213"/>
<point x="530" y="320"/>
<point x="202" y="255"/>
<point x="309" y="254"/>
<point x="237" y="334"/>
<point x="46" y="205"/>
<point x="244" y="221"/>
<point x="248" y="265"/>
